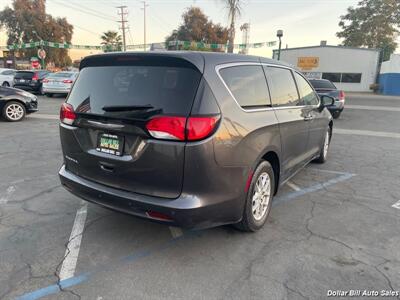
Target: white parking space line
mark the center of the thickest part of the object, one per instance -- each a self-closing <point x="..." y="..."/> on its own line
<point x="74" y="243"/>
<point x="293" y="186"/>
<point x="175" y="231"/>
<point x="396" y="205"/>
<point x="44" y="116"/>
<point x="367" y="133"/>
<point x="370" y="107"/>
<point x="4" y="198"/>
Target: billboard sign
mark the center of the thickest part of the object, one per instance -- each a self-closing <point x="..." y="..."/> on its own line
<point x="308" y="62"/>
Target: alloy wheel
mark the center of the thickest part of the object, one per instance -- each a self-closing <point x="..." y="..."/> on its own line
<point x="326" y="144"/>
<point x="15" y="112"/>
<point x="261" y="196"/>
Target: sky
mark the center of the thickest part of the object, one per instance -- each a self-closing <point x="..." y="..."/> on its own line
<point x="304" y="22"/>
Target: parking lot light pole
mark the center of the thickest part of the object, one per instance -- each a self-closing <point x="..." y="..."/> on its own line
<point x="279" y="34"/>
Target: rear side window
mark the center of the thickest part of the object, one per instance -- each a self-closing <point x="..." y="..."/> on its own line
<point x="282" y="87"/>
<point x="247" y="84"/>
<point x="170" y="90"/>
<point x="307" y="94"/>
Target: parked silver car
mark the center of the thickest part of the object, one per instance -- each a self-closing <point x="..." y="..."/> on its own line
<point x="59" y="83"/>
<point x="7" y="77"/>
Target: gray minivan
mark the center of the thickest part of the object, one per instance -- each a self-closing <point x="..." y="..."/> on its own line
<point x="187" y="138"/>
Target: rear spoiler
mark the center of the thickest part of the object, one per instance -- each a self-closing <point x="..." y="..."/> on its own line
<point x="180" y="60"/>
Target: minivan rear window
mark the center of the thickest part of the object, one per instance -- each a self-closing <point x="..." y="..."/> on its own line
<point x="170" y="90"/>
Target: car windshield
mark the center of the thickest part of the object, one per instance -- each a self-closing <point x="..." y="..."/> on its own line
<point x="322" y="84"/>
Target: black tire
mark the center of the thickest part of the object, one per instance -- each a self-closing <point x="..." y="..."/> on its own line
<point x="49" y="95"/>
<point x="322" y="154"/>
<point x="41" y="90"/>
<point x="6" y="84"/>
<point x="15" y="104"/>
<point x="249" y="222"/>
<point x="336" y="114"/>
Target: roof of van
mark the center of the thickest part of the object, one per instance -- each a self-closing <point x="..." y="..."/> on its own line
<point x="197" y="58"/>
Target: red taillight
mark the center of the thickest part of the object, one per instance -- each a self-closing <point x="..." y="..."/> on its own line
<point x="45" y="80"/>
<point x="341" y="95"/>
<point x="35" y="77"/>
<point x="181" y="128"/>
<point x="67" y="114"/>
<point x="200" y="127"/>
<point x="170" y="128"/>
<point x="67" y="81"/>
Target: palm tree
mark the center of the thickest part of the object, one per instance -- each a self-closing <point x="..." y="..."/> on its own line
<point x="234" y="8"/>
<point x="112" y="41"/>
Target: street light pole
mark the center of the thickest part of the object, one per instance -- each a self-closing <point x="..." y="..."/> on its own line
<point x="279" y="34"/>
<point x="144" y="24"/>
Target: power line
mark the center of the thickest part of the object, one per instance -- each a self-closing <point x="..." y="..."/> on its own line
<point x="87" y="30"/>
<point x="130" y="36"/>
<point x="103" y="17"/>
<point x="92" y="10"/>
<point x="123" y="22"/>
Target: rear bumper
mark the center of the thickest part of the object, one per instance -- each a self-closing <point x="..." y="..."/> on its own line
<point x="51" y="90"/>
<point x="335" y="108"/>
<point x="188" y="211"/>
<point x="338" y="106"/>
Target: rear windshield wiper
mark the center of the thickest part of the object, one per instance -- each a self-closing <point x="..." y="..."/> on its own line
<point x="127" y="107"/>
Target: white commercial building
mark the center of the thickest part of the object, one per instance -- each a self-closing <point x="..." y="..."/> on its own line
<point x="350" y="69"/>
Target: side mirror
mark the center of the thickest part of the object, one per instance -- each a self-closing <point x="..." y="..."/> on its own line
<point x="327" y="100"/>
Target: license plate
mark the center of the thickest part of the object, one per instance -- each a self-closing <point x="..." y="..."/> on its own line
<point x="110" y="143"/>
<point x="22" y="80"/>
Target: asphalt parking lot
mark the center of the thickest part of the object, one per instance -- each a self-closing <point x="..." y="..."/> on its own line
<point x="332" y="227"/>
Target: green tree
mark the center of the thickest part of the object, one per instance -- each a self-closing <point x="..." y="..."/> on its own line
<point x="198" y="28"/>
<point x="373" y="24"/>
<point x="234" y="8"/>
<point x="26" y="21"/>
<point x="112" y="40"/>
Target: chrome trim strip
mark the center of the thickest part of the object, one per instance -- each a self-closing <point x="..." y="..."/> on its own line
<point x="105" y="125"/>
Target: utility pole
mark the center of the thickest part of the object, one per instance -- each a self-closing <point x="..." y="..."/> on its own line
<point x="123" y="22"/>
<point x="144" y="24"/>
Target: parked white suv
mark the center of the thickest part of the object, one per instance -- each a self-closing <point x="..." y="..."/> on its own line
<point x="7" y="77"/>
